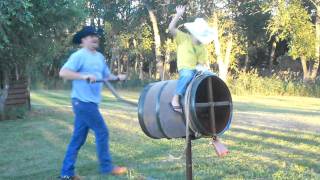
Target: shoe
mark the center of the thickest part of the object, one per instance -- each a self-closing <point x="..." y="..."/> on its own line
<point x="70" y="177"/>
<point x="119" y="170"/>
<point x="176" y="108"/>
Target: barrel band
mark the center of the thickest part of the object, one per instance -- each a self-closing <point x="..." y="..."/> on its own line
<point x="158" y="110"/>
<point x="141" y="110"/>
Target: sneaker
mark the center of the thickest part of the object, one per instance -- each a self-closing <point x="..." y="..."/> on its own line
<point x="69" y="177"/>
<point x="119" y="170"/>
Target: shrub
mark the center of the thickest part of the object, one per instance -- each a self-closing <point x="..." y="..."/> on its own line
<point x="250" y="83"/>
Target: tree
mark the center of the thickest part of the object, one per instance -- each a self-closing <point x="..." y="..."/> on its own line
<point x="157" y="39"/>
<point x="316" y="64"/>
<point x="33" y="30"/>
<point x="290" y="21"/>
<point x="250" y="21"/>
<point x="228" y="34"/>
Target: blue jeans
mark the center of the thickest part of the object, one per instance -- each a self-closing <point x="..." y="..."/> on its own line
<point x="87" y="116"/>
<point x="185" y="77"/>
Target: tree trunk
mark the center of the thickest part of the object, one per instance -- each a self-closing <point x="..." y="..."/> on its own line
<point x="218" y="54"/>
<point x="157" y="41"/>
<point x="141" y="77"/>
<point x="165" y="74"/>
<point x="128" y="70"/>
<point x="315" y="68"/>
<point x="246" y="61"/>
<point x="115" y="58"/>
<point x="224" y="65"/>
<point x="272" y="54"/>
<point x="306" y="73"/>
<point x="136" y="64"/>
<point x="165" y="66"/>
<point x="150" y="69"/>
<point x="111" y="65"/>
<point x="4" y="94"/>
<point x="119" y="65"/>
<point x="228" y="50"/>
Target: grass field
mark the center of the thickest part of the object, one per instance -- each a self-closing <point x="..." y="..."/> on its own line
<point x="270" y="138"/>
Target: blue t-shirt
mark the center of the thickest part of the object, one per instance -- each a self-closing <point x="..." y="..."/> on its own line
<point x="85" y="61"/>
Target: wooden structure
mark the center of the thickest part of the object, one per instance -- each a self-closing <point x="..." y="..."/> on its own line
<point x="14" y="94"/>
<point x="18" y="94"/>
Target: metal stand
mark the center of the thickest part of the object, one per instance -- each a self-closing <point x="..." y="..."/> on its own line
<point x="211" y="104"/>
<point x="189" y="159"/>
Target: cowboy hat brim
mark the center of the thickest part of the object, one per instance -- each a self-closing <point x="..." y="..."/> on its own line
<point x="84" y="32"/>
<point x="201" y="31"/>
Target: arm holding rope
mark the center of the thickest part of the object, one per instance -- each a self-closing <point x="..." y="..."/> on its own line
<point x="119" y="77"/>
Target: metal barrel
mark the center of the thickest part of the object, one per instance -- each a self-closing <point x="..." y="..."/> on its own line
<point x="158" y="120"/>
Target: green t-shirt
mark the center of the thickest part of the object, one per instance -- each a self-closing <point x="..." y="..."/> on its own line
<point x="188" y="54"/>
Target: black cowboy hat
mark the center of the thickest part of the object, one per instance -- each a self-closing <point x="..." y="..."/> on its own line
<point x="84" y="32"/>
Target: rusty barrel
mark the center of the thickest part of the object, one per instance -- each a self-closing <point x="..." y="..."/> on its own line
<point x="158" y="120"/>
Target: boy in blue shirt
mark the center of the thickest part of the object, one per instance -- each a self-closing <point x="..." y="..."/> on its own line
<point x="87" y="64"/>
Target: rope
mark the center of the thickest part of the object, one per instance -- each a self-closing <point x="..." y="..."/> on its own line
<point x="187" y="116"/>
<point x="114" y="92"/>
<point x="118" y="97"/>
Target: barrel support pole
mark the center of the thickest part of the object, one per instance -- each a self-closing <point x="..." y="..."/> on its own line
<point x="189" y="159"/>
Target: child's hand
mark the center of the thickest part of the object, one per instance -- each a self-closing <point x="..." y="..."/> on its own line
<point x="202" y="68"/>
<point x="180" y="10"/>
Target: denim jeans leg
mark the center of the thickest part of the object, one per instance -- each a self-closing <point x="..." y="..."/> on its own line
<point x="79" y="137"/>
<point x="101" y="132"/>
<point x="185" y="77"/>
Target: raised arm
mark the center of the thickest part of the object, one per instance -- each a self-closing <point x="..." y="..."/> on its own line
<point x="173" y="24"/>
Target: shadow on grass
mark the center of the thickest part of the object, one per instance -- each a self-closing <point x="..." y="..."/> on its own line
<point x="271" y="121"/>
<point x="254" y="107"/>
<point x="262" y="133"/>
<point x="272" y="150"/>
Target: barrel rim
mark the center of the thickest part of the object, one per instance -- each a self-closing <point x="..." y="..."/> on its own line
<point x="194" y="89"/>
<point x="231" y="107"/>
<point x="193" y="109"/>
<point x="140" y="110"/>
<point x="231" y="111"/>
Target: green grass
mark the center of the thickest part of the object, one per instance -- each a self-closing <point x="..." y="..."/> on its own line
<point x="270" y="138"/>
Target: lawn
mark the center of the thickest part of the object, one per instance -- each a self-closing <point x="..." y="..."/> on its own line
<point x="270" y="138"/>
